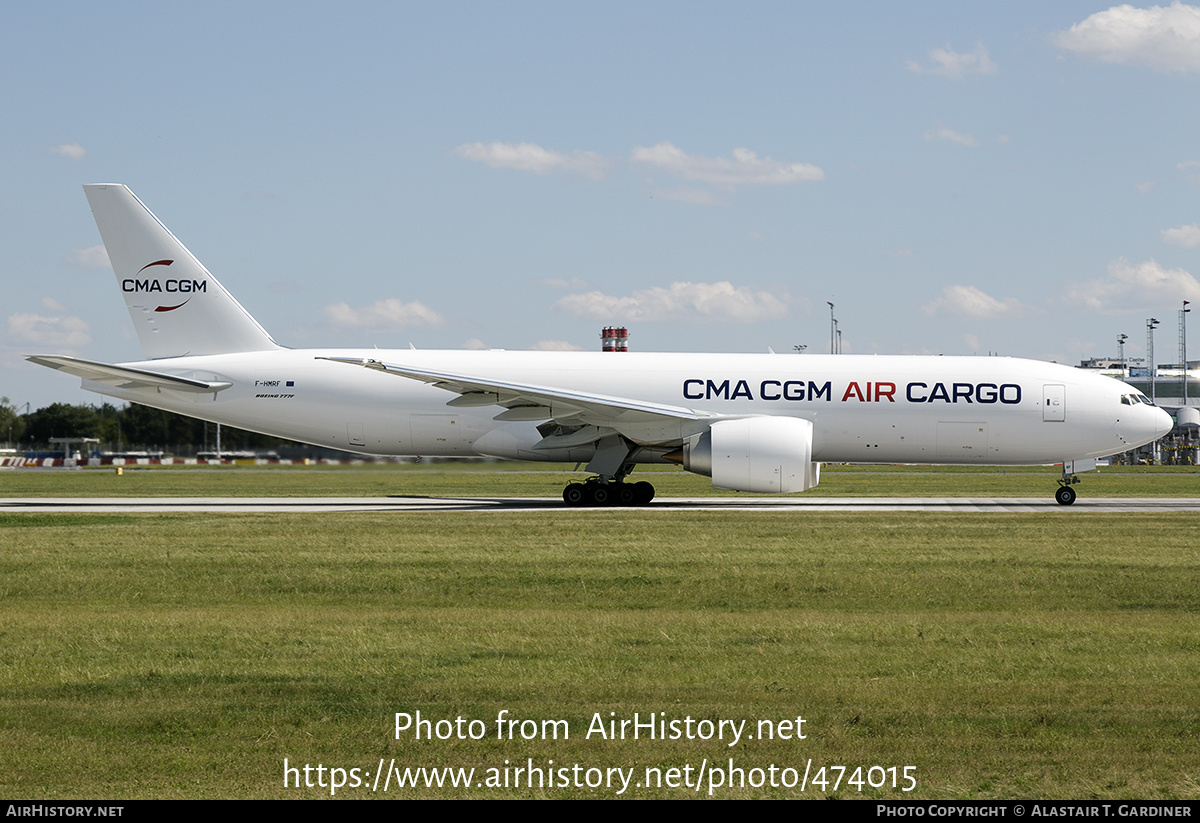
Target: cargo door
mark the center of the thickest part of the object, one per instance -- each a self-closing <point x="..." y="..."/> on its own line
<point x="962" y="442"/>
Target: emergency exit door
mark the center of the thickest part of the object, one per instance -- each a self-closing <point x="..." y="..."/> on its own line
<point x="1054" y="403"/>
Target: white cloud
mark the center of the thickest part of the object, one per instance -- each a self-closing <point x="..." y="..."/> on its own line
<point x="1187" y="237"/>
<point x="71" y="150"/>
<point x="474" y="344"/>
<point x="1164" y="38"/>
<point x="972" y="342"/>
<point x="533" y="158"/>
<point x="970" y="301"/>
<point x="1144" y="188"/>
<point x="689" y="194"/>
<point x="1079" y="346"/>
<point x="956" y="137"/>
<point x="555" y="345"/>
<point x="563" y="283"/>
<point x="50" y="304"/>
<point x="744" y="168"/>
<point x="681" y="301"/>
<point x="93" y="257"/>
<point x="384" y="314"/>
<point x="49" y="331"/>
<point x="1130" y="287"/>
<point x="949" y="63"/>
<point x="1190" y="166"/>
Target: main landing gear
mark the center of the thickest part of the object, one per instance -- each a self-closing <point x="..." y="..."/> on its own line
<point x="617" y="493"/>
<point x="611" y="464"/>
<point x="1064" y="495"/>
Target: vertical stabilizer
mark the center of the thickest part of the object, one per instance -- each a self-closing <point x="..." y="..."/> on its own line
<point x="177" y="307"/>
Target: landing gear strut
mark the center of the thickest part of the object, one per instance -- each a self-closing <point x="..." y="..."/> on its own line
<point x="594" y="492"/>
<point x="612" y="465"/>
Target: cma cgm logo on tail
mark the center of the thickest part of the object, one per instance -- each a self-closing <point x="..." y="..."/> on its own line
<point x="855" y="391"/>
<point x="136" y="285"/>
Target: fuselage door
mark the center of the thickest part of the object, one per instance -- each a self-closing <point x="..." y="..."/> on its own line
<point x="1054" y="403"/>
<point x="962" y="442"/>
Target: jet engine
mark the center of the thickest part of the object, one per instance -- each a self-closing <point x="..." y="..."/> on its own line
<point x="755" y="454"/>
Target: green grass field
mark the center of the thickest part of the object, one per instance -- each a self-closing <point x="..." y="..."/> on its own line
<point x="997" y="655"/>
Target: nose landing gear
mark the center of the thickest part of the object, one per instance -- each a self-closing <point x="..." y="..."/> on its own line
<point x="1064" y="495"/>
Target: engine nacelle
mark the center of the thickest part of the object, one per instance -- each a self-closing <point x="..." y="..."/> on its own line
<point x="755" y="454"/>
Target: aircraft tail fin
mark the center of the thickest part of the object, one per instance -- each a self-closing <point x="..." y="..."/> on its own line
<point x="177" y="306"/>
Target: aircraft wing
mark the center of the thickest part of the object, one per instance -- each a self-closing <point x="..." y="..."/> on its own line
<point x="532" y="402"/>
<point x="123" y="377"/>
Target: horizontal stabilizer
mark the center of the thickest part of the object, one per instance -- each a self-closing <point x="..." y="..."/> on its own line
<point x="123" y="377"/>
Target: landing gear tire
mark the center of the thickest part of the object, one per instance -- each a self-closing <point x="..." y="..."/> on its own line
<point x="598" y="494"/>
<point x="575" y="494"/>
<point x="626" y="494"/>
<point x="643" y="492"/>
<point x="1064" y="495"/>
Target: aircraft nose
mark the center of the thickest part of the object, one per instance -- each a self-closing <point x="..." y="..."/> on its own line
<point x="1162" y="423"/>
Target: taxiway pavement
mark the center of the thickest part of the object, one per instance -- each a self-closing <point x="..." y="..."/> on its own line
<point x="154" y="505"/>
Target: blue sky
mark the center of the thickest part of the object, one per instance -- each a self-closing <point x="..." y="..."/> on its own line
<point x="1020" y="178"/>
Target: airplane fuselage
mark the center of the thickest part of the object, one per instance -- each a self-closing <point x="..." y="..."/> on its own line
<point x="888" y="409"/>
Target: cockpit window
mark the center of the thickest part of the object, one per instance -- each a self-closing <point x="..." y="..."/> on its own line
<point x="1125" y="401"/>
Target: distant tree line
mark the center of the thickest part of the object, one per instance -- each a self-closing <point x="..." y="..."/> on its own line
<point x="129" y="428"/>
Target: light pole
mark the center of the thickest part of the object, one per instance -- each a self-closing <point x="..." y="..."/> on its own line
<point x="1183" y="346"/>
<point x="1121" y="338"/>
<point x="1151" y="324"/>
<point x="832" y="326"/>
<point x="800" y="348"/>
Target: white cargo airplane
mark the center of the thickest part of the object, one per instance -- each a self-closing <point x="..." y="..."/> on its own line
<point x="756" y="423"/>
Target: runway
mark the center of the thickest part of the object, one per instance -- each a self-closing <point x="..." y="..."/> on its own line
<point x="177" y="505"/>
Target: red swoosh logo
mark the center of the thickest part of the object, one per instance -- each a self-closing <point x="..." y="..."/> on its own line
<point x="173" y="308"/>
<point x="155" y="263"/>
